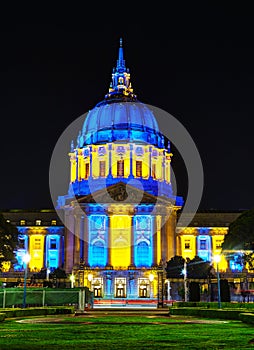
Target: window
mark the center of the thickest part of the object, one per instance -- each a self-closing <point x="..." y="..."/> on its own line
<point x="142" y="254"/>
<point x="22" y="222"/>
<point x="218" y="244"/>
<point x="187" y="245"/>
<point x="21" y="244"/>
<point x="37" y="243"/>
<point x="139" y="168"/>
<point x="38" y="222"/>
<point x="98" y="254"/>
<point x="53" y="222"/>
<point x="102" y="168"/>
<point x="202" y="245"/>
<point x="53" y="243"/>
<point x="86" y="170"/>
<point x="154" y="171"/>
<point x="120" y="168"/>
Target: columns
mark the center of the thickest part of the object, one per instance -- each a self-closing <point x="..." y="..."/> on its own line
<point x="86" y="237"/>
<point x="150" y="161"/>
<point x="163" y="241"/>
<point x="170" y="231"/>
<point x="132" y="262"/>
<point x="69" y="242"/>
<point x="131" y="161"/>
<point x="109" y="248"/>
<point x="154" y="240"/>
<point x="110" y="160"/>
<point x="76" y="240"/>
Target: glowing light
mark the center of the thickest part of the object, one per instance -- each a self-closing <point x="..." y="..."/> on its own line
<point x="90" y="277"/>
<point x="151" y="277"/>
<point x="217" y="258"/>
<point x="26" y="258"/>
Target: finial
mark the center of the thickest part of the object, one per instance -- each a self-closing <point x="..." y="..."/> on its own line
<point x="121" y="42"/>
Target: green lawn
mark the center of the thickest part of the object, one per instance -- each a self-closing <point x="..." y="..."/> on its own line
<point x="124" y="332"/>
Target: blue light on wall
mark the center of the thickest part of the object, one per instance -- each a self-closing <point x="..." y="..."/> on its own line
<point x="98" y="240"/>
<point x="236" y="263"/>
<point x="143" y="240"/>
<point x="21" y="251"/>
<point x="52" y="251"/>
<point x="204" y="247"/>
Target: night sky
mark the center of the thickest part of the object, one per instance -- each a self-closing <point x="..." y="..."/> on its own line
<point x="199" y="68"/>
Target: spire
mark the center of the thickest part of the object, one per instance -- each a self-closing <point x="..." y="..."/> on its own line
<point x="120" y="87"/>
<point x="120" y="65"/>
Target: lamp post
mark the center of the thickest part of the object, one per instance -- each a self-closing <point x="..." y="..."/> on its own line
<point x="26" y="259"/>
<point x="184" y="272"/>
<point x="151" y="278"/>
<point x="72" y="278"/>
<point x="217" y="259"/>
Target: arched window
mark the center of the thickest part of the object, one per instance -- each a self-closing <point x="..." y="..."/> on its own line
<point x="142" y="254"/>
<point x="98" y="252"/>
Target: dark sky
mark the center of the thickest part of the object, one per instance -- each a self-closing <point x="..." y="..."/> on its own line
<point x="198" y="66"/>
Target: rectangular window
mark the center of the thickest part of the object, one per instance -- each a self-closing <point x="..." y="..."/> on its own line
<point x="38" y="222"/>
<point x="53" y="243"/>
<point x="120" y="168"/>
<point x="187" y="245"/>
<point x="86" y="170"/>
<point x="154" y="171"/>
<point x="21" y="244"/>
<point x="139" y="168"/>
<point x="53" y="222"/>
<point x="102" y="168"/>
<point x="37" y="243"/>
<point x="218" y="244"/>
<point x="202" y="244"/>
<point x="22" y="222"/>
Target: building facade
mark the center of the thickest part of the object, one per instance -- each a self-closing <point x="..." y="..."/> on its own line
<point x="119" y="216"/>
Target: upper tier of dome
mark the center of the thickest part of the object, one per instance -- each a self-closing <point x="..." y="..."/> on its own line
<point x="125" y="121"/>
<point x="120" y="116"/>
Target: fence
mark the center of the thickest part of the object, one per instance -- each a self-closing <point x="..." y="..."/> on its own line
<point x="10" y="297"/>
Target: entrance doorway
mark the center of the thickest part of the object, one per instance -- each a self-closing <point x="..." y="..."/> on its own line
<point x="120" y="287"/>
<point x="143" y="288"/>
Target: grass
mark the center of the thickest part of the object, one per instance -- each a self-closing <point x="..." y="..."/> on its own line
<point x="124" y="332"/>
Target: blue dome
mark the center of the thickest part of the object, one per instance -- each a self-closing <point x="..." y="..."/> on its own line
<point x="121" y="121"/>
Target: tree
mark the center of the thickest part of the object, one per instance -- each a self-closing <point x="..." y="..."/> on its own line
<point x="240" y="237"/>
<point x="241" y="233"/>
<point x="8" y="241"/>
<point x="175" y="266"/>
<point x="197" y="268"/>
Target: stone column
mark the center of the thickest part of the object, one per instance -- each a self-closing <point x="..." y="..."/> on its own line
<point x="170" y="232"/>
<point x="132" y="263"/>
<point x="131" y="161"/>
<point x="110" y="160"/>
<point x="76" y="240"/>
<point x="109" y="247"/>
<point x="86" y="237"/>
<point x="154" y="241"/>
<point x="163" y="240"/>
<point x="69" y="242"/>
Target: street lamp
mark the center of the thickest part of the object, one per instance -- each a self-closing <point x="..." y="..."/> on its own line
<point x="72" y="278"/>
<point x="26" y="259"/>
<point x="151" y="278"/>
<point x="184" y="272"/>
<point x="217" y="259"/>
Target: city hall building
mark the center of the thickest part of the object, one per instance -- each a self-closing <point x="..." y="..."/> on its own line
<point x="119" y="216"/>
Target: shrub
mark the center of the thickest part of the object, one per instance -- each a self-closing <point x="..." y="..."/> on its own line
<point x="2" y="317"/>
<point x="247" y="318"/>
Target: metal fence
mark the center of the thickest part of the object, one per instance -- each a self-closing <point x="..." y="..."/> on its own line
<point x="13" y="297"/>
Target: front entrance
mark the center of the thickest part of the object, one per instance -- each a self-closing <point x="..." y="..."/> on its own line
<point x="98" y="287"/>
<point x="120" y="287"/>
<point x="143" y="288"/>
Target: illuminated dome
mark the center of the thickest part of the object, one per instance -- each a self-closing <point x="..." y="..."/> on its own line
<point x="125" y="121"/>
<point x="120" y="116"/>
